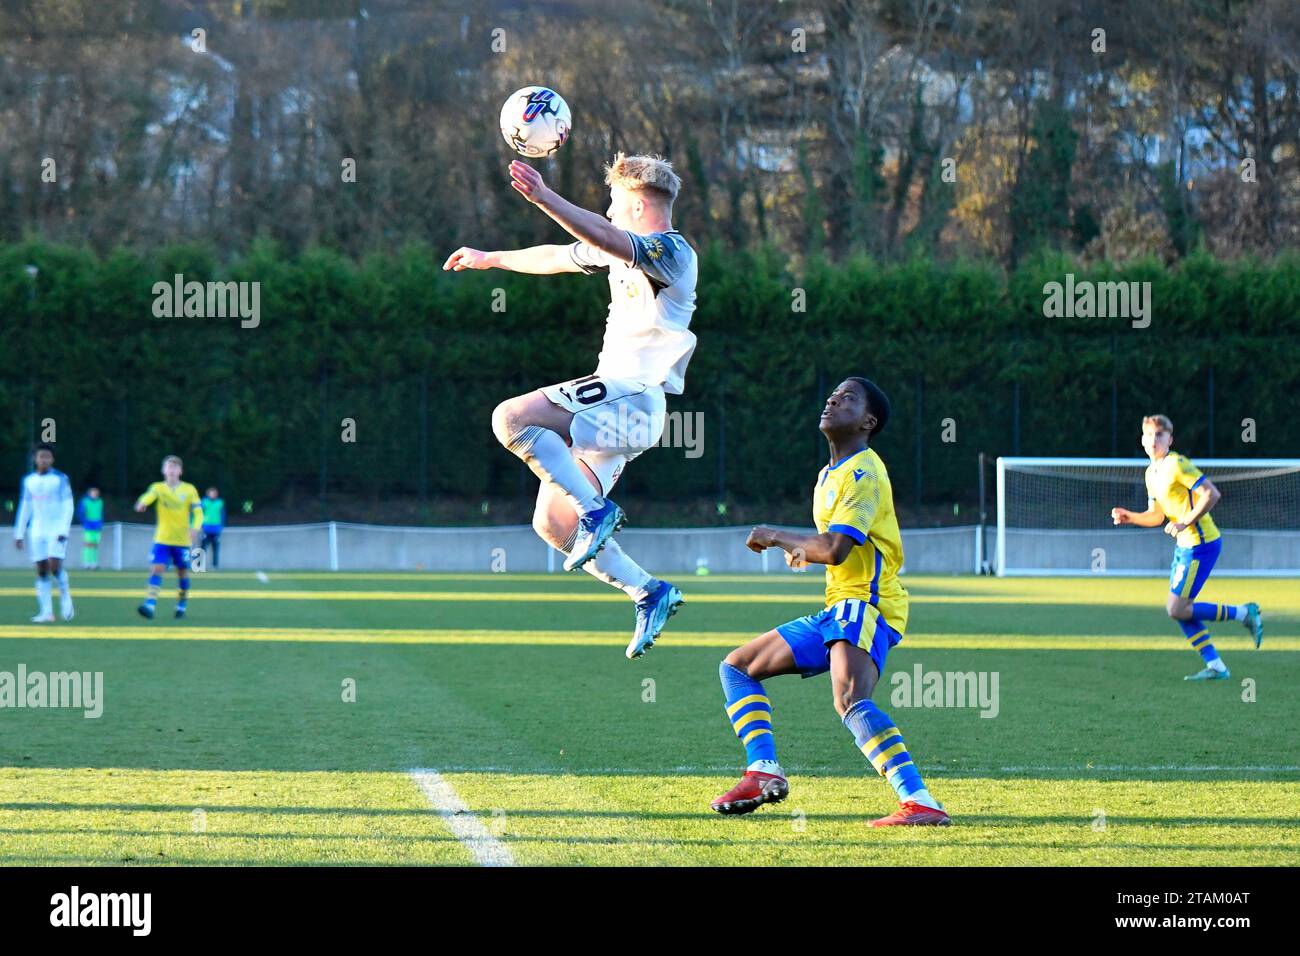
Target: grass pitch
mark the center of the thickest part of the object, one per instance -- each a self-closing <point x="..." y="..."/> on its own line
<point x="226" y="738"/>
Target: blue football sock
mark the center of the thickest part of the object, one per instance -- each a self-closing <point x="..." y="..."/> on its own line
<point x="1199" y="637"/>
<point x="878" y="738"/>
<point x="1204" y="611"/>
<point x="749" y="711"/>
<point x="184" y="592"/>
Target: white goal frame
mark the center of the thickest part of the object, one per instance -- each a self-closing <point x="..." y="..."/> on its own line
<point x="1206" y="465"/>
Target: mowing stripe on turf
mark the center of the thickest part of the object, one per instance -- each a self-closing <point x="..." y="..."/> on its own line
<point x="523" y="638"/>
<point x="486" y="849"/>
<point x="599" y="597"/>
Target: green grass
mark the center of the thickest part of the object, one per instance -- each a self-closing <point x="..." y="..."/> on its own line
<point x="225" y="738"/>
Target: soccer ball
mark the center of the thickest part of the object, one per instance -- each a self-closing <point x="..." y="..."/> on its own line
<point x="535" y="121"/>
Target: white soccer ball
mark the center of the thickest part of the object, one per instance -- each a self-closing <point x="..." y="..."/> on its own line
<point x="536" y="121"/>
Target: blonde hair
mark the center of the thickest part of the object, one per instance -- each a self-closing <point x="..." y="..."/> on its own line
<point x="1162" y="422"/>
<point x="644" y="172"/>
<point x="175" y="458"/>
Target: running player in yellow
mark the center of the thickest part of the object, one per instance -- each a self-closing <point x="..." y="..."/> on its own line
<point x="1178" y="492"/>
<point x="866" y="613"/>
<point x="180" y="515"/>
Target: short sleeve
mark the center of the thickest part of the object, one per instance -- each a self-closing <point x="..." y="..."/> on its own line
<point x="590" y="259"/>
<point x="1187" y="474"/>
<point x="855" y="510"/>
<point x="663" y="258"/>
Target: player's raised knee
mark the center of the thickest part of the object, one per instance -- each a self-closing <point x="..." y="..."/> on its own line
<point x="502" y="422"/>
<point x="545" y="526"/>
<point x="740" y="659"/>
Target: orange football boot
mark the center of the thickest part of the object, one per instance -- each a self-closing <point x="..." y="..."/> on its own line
<point x="912" y="814"/>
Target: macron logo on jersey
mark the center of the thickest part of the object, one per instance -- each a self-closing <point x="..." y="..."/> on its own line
<point x="858" y="473"/>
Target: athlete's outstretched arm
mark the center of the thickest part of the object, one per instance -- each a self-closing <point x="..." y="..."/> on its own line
<point x="1153" y="517"/>
<point x="829" y="548"/>
<point x="535" y="260"/>
<point x="592" y="228"/>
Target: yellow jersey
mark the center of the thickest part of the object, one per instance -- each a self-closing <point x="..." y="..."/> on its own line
<point x="1170" y="481"/>
<point x="854" y="497"/>
<point x="179" y="510"/>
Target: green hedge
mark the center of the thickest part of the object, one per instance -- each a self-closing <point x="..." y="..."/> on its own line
<point x="418" y="358"/>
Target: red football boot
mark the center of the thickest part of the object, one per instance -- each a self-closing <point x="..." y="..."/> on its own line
<point x="912" y="814"/>
<point x="755" y="789"/>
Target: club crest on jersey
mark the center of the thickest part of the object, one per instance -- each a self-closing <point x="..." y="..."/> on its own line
<point x="537" y="104"/>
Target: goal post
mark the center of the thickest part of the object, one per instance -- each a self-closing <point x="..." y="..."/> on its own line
<point x="1053" y="517"/>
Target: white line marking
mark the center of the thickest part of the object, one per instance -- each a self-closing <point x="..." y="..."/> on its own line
<point x="486" y="849"/>
<point x="733" y="768"/>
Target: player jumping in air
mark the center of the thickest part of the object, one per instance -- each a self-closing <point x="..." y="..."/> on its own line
<point x="45" y="518"/>
<point x="91" y="514"/>
<point x="179" y="517"/>
<point x="1177" y="491"/>
<point x="578" y="436"/>
<point x="866" y="613"/>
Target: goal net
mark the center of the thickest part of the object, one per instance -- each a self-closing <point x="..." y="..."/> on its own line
<point x="1054" y="517"/>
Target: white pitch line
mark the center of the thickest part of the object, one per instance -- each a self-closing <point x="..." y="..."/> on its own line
<point x="486" y="849"/>
<point x="733" y="768"/>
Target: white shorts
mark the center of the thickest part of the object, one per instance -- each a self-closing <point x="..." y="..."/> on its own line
<point x="45" y="547"/>
<point x="614" y="420"/>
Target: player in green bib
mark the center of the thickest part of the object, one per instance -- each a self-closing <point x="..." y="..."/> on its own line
<point x="91" y="514"/>
<point x="214" y="522"/>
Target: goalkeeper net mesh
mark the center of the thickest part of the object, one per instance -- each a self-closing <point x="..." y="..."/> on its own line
<point x="1054" y="517"/>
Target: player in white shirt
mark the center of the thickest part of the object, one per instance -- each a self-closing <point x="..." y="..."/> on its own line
<point x="578" y="436"/>
<point x="45" y="520"/>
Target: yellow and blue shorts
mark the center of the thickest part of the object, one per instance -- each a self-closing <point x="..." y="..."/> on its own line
<point x="1192" y="567"/>
<point x="854" y="620"/>
<point x="166" y="554"/>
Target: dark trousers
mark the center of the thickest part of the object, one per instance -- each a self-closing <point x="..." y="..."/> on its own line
<point x="212" y="541"/>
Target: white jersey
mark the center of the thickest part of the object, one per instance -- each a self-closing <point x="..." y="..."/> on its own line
<point x="46" y="505"/>
<point x="647" y="335"/>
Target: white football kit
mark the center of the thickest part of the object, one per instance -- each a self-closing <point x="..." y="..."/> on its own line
<point x="618" y="412"/>
<point x="45" y="514"/>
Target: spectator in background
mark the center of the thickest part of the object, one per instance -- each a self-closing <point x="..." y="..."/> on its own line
<point x="90" y="512"/>
<point x="214" y="521"/>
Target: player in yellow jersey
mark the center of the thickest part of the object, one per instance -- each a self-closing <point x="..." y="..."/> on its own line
<point x="865" y="615"/>
<point x="180" y="515"/>
<point x="1178" y="492"/>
